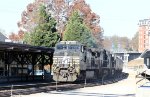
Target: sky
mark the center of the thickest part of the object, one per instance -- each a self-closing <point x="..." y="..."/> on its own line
<point x="117" y="17"/>
<point x="10" y="14"/>
<point x="120" y="17"/>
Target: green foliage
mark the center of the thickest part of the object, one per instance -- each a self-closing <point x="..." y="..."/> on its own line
<point x="27" y="38"/>
<point x="44" y="34"/>
<point x="77" y="31"/>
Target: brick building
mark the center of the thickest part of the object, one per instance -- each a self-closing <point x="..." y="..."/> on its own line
<point x="144" y="35"/>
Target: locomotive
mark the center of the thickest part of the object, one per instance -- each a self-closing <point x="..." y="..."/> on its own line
<point x="72" y="61"/>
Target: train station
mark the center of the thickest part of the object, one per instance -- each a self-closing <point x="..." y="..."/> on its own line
<point x="25" y="64"/>
<point x="20" y="62"/>
<point x="133" y="85"/>
<point x="78" y="48"/>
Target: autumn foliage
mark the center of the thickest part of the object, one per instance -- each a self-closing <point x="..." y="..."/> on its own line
<point x="90" y="18"/>
<point x="13" y="37"/>
<point x="17" y="37"/>
<point x="61" y="10"/>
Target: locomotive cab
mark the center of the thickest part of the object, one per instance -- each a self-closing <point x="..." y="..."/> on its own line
<point x="67" y="61"/>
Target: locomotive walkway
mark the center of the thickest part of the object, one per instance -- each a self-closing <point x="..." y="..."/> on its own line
<point x="124" y="88"/>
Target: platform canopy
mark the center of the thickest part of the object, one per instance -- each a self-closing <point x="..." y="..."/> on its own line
<point x="8" y="46"/>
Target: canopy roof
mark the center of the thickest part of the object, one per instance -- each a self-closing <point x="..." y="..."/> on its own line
<point x="8" y="46"/>
<point x="145" y="54"/>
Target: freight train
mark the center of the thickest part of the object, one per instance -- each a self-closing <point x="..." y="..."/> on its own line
<point x="72" y="61"/>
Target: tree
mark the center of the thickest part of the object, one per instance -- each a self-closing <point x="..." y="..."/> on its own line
<point x="77" y="31"/>
<point x="44" y="34"/>
<point x="90" y="18"/>
<point x="135" y="42"/>
<point x="117" y="43"/>
<point x="13" y="37"/>
<point x="57" y="8"/>
<point x="29" y="17"/>
<point x="28" y="20"/>
<point x="107" y="43"/>
<point x="61" y="11"/>
<point x="125" y="43"/>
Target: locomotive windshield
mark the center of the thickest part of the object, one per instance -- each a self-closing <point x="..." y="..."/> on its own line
<point x="71" y="49"/>
<point x="61" y="46"/>
<point x="67" y="46"/>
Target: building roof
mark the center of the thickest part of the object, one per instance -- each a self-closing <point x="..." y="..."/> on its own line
<point x="145" y="54"/>
<point x="136" y="62"/>
<point x="4" y="46"/>
<point x="2" y="37"/>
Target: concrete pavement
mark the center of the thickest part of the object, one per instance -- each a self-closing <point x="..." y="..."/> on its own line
<point x="124" y="88"/>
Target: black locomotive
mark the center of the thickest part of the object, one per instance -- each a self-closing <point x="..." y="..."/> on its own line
<point x="73" y="61"/>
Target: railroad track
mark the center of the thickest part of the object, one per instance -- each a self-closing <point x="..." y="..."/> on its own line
<point x="31" y="89"/>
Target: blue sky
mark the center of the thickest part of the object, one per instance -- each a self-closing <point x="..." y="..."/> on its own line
<point x="118" y="17"/>
<point x="10" y="14"/>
